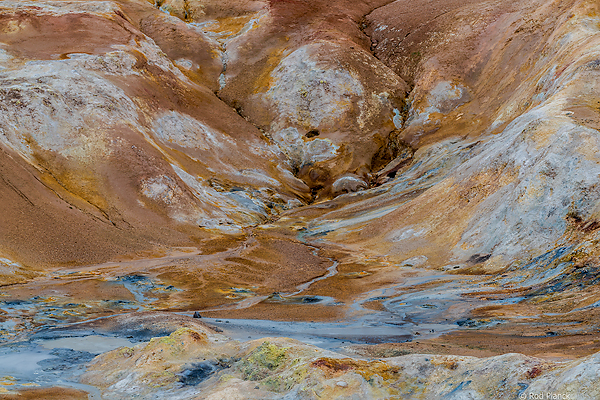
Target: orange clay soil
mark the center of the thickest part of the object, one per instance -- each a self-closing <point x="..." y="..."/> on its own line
<point x="54" y="393"/>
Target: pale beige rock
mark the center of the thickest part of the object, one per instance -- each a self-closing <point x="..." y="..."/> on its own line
<point x="283" y="368"/>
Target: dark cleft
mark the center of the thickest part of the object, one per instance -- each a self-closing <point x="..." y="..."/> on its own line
<point x="198" y="373"/>
<point x="312" y="133"/>
<point x="478" y="258"/>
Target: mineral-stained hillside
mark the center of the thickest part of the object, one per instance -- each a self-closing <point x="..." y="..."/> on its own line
<point x="416" y="179"/>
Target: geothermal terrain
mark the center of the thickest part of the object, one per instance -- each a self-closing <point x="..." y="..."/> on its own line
<point x="300" y="199"/>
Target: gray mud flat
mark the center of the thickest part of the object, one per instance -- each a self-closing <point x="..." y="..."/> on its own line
<point x="53" y="362"/>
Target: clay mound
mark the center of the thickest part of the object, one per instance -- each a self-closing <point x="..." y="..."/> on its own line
<point x="504" y="119"/>
<point x="108" y="149"/>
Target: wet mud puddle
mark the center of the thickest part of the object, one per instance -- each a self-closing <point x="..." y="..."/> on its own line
<point x="46" y="340"/>
<point x="406" y="312"/>
<point x="53" y="362"/>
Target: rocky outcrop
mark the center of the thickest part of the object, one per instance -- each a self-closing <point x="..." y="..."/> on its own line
<point x="190" y="362"/>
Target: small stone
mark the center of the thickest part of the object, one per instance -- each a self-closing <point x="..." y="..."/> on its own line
<point x="342" y="384"/>
<point x="348" y="183"/>
<point x="197" y="315"/>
